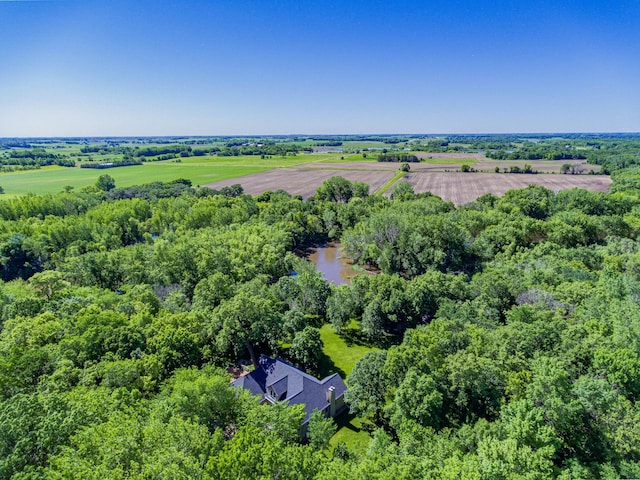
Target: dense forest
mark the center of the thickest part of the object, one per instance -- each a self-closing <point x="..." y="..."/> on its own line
<point x="508" y="332"/>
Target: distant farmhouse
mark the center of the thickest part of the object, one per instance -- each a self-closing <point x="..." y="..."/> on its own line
<point x="275" y="379"/>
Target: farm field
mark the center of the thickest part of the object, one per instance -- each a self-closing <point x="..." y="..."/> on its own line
<point x="542" y="166"/>
<point x="199" y="170"/>
<point x="303" y="173"/>
<point x="461" y="188"/>
<point x="298" y="181"/>
<point x="442" y="161"/>
<point x="458" y="187"/>
<point x="53" y="179"/>
<point x="392" y="166"/>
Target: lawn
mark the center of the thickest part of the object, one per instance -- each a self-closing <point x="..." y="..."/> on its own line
<point x="351" y="433"/>
<point x="343" y="351"/>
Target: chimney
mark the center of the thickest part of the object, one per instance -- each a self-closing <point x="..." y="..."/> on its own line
<point x="331" y="398"/>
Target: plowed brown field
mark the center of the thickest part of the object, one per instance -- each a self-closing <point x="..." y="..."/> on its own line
<point x="461" y="188"/>
<point x="302" y="182"/>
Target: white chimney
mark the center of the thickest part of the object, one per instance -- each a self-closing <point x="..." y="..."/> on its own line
<point x="331" y="398"/>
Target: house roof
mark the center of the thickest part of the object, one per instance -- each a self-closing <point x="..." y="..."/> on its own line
<point x="291" y="384"/>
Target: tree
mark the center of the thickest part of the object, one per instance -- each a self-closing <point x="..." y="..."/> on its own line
<point x="335" y="189"/>
<point x="307" y="291"/>
<point x="17" y="260"/>
<point x="405" y="167"/>
<point x="373" y="320"/>
<point x="307" y="346"/>
<point x="105" y="183"/>
<point x="211" y="291"/>
<point x="243" y="321"/>
<point x="367" y="385"/>
<point x="417" y="398"/>
<point x="204" y="397"/>
<point x="320" y="430"/>
<point x="402" y="191"/>
<point x="341" y="307"/>
<point x="360" y="189"/>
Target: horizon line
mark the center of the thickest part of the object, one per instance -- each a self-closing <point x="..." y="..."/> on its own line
<point x="246" y="135"/>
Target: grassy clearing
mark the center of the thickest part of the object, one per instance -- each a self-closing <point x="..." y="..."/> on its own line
<point x="342" y="351"/>
<point x="389" y="183"/>
<point x="351" y="433"/>
<point x="341" y="354"/>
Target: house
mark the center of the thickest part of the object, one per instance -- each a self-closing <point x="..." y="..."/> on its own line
<point x="275" y="379"/>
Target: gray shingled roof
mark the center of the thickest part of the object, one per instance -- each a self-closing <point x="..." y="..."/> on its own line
<point x="300" y="387"/>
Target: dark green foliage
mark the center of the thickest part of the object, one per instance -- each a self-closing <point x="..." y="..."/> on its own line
<point x="306" y="347"/>
<point x="398" y="158"/>
<point x="17" y="260"/>
<point x="367" y="385"/>
<point x="402" y="190"/>
<point x="105" y="183"/>
<point x="320" y="431"/>
<point x="513" y="320"/>
<point x="339" y="189"/>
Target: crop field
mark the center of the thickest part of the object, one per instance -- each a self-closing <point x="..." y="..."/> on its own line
<point x="392" y="166"/>
<point x="542" y="166"/>
<point x="53" y="179"/>
<point x="304" y="172"/>
<point x="444" y="161"/>
<point x="461" y="188"/>
<point x="298" y="181"/>
<point x="199" y="170"/>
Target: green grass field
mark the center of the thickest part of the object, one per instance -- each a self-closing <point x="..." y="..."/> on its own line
<point x="351" y="433"/>
<point x="200" y="170"/>
<point x="343" y="353"/>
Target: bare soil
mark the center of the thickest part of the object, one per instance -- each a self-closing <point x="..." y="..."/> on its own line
<point x="391" y="166"/>
<point x="303" y="182"/>
<point x="488" y="165"/>
<point x="476" y="156"/>
<point x="461" y="188"/>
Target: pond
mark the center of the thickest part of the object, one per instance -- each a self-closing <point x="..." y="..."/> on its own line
<point x="331" y="265"/>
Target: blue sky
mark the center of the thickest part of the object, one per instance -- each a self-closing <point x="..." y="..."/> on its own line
<point x="80" y="68"/>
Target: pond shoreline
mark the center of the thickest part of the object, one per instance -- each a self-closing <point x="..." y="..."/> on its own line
<point x="334" y="267"/>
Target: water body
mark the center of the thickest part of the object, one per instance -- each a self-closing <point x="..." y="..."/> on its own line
<point x="333" y="267"/>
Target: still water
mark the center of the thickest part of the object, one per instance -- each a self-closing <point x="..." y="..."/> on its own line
<point x="333" y="267"/>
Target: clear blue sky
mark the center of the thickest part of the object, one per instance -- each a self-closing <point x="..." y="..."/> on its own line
<point x="154" y="67"/>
